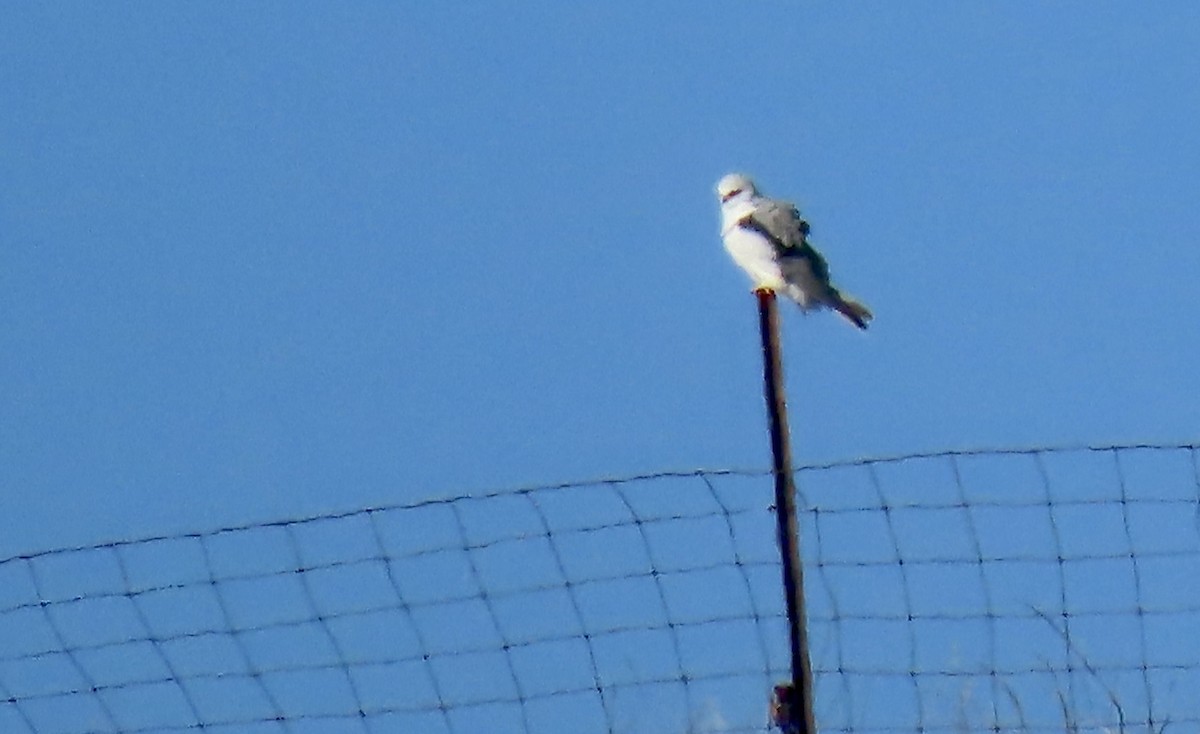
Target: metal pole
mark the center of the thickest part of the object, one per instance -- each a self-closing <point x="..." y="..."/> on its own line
<point x="785" y="514"/>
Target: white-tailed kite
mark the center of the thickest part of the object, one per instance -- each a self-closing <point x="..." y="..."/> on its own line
<point x="769" y="240"/>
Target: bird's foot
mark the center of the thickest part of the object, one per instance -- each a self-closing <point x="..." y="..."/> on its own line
<point x="762" y="290"/>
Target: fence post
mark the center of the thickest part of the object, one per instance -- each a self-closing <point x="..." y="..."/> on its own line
<point x="785" y="515"/>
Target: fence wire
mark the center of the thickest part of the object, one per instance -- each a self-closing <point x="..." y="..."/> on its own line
<point x="1042" y="590"/>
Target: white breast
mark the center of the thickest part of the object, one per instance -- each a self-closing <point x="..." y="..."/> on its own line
<point x="754" y="254"/>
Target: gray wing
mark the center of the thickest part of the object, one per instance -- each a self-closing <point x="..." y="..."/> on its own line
<point x="781" y="223"/>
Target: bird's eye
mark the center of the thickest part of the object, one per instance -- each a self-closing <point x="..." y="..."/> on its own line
<point x="730" y="195"/>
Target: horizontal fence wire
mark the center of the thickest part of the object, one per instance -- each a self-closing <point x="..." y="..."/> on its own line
<point x="1036" y="590"/>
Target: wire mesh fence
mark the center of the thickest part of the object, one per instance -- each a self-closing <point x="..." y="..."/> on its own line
<point x="1046" y="590"/>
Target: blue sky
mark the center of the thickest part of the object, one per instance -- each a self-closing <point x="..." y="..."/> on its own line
<point x="265" y="261"/>
<point x="271" y="261"/>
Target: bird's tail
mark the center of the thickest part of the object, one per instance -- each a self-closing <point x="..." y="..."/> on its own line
<point x="858" y="314"/>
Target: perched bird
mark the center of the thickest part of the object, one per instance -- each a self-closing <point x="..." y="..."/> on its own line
<point x="769" y="240"/>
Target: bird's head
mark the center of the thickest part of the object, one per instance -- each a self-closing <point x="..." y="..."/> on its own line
<point x="735" y="185"/>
